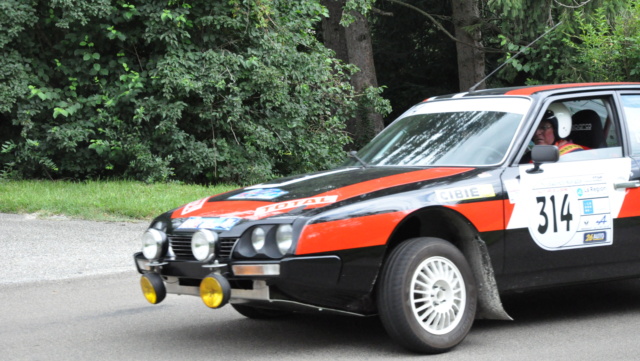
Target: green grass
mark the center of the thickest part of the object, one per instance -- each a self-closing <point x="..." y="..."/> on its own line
<point x="99" y="200"/>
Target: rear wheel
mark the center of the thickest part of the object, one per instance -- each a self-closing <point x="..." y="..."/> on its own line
<point x="258" y="313"/>
<point x="427" y="295"/>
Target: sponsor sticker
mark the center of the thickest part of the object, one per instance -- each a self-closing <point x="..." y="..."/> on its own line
<point x="593" y="237"/>
<point x="264" y="193"/>
<point x="193" y="206"/>
<point x="592" y="191"/>
<point x="296" y="203"/>
<point x="217" y="223"/>
<point x="594" y="222"/>
<point x="464" y="193"/>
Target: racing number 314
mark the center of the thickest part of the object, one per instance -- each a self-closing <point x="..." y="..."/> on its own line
<point x="565" y="213"/>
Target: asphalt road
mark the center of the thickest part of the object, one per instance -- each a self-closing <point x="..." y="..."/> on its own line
<point x="69" y="292"/>
<point x="58" y="248"/>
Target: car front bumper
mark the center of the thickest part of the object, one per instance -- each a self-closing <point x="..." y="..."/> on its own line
<point x="256" y="283"/>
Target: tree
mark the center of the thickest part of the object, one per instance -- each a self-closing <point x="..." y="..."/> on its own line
<point x="414" y="58"/>
<point x="200" y="91"/>
<point x="607" y="48"/>
<point x="467" y="28"/>
<point x="351" y="41"/>
<point x="471" y="59"/>
<point x="553" y="58"/>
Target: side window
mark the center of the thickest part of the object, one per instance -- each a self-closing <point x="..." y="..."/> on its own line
<point x="595" y="128"/>
<point x="582" y="129"/>
<point x="631" y="104"/>
<point x="589" y="134"/>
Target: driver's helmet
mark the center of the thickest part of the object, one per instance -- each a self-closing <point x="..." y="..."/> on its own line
<point x="560" y="117"/>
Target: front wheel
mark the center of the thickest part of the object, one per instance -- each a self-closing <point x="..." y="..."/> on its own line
<point x="427" y="295"/>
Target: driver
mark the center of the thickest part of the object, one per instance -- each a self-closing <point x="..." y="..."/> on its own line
<point x="554" y="129"/>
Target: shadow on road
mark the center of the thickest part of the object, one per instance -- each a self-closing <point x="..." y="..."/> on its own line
<point x="316" y="334"/>
<point x="569" y="302"/>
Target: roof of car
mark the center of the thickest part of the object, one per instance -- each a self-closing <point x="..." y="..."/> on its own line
<point x="533" y="89"/>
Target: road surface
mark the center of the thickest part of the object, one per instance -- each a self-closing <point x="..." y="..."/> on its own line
<point x="69" y="292"/>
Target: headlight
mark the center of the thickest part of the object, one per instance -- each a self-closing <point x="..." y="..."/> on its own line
<point x="258" y="237"/>
<point x="284" y="238"/>
<point x="265" y="241"/>
<point x="203" y="244"/>
<point x="154" y="244"/>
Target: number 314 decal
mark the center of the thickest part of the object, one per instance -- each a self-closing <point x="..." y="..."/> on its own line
<point x="565" y="213"/>
<point x="556" y="219"/>
<point x="571" y="204"/>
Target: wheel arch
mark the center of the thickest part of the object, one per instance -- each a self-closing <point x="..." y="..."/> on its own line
<point x="447" y="224"/>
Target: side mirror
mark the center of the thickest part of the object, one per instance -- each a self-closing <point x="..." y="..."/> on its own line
<point x="543" y="154"/>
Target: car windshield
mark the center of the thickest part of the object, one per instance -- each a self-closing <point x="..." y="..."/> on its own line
<point x="456" y="132"/>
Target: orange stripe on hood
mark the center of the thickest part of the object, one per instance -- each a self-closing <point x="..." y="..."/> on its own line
<point x="247" y="209"/>
<point x="393" y="181"/>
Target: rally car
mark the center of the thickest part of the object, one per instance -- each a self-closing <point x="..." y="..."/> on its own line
<point x="449" y="207"/>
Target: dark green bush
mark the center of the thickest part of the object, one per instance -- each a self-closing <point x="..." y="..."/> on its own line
<point x="200" y="91"/>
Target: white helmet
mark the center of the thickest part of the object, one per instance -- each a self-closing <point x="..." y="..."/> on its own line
<point x="560" y="116"/>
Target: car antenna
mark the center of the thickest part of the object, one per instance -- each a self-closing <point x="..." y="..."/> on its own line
<point x="353" y="154"/>
<point x="473" y="88"/>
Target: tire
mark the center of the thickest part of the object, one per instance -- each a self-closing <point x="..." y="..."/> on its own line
<point x="258" y="313"/>
<point x="427" y="295"/>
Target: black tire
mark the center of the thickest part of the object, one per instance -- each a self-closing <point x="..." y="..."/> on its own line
<point x="414" y="322"/>
<point x="258" y="313"/>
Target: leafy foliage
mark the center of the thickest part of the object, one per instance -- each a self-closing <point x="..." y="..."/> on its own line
<point x="608" y="49"/>
<point x="553" y="58"/>
<point x="201" y="91"/>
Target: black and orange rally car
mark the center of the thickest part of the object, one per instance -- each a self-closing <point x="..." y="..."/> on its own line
<point x="448" y="208"/>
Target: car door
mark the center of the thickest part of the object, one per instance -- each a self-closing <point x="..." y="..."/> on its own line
<point x="563" y="222"/>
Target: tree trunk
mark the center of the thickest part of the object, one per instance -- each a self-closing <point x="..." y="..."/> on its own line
<point x="332" y="31"/>
<point x="353" y="45"/>
<point x="470" y="55"/>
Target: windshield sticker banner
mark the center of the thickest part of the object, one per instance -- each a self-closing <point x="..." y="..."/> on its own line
<point x="265" y="193"/>
<point x="296" y="203"/>
<point x="571" y="205"/>
<point x="217" y="223"/>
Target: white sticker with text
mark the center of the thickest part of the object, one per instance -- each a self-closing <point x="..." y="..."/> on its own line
<point x="571" y="204"/>
<point x="296" y="203"/>
<point x="464" y="193"/>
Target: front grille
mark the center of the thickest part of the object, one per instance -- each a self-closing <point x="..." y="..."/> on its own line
<point x="181" y="246"/>
<point x="225" y="246"/>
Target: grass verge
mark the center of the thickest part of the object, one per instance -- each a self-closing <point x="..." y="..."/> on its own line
<point x="99" y="200"/>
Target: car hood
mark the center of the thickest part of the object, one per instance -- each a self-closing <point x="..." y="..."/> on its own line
<point x="308" y="193"/>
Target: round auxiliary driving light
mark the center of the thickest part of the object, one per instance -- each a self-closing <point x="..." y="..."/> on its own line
<point x="258" y="237"/>
<point x="284" y="238"/>
<point x="154" y="244"/>
<point x="215" y="290"/>
<point x="153" y="288"/>
<point x="203" y="244"/>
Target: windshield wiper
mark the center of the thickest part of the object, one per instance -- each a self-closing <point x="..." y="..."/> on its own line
<point x="353" y="154"/>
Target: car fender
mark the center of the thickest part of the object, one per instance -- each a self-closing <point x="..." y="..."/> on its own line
<point x="448" y="224"/>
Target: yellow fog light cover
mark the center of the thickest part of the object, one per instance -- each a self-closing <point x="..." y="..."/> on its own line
<point x="153" y="288"/>
<point x="215" y="290"/>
